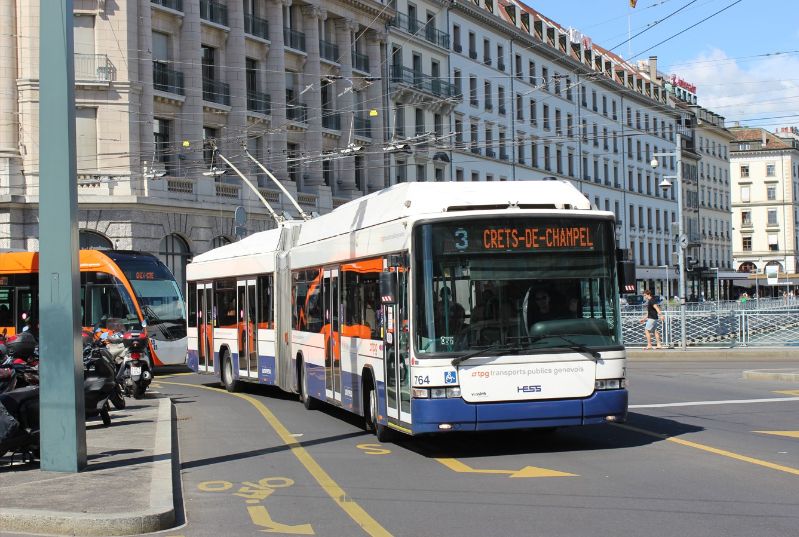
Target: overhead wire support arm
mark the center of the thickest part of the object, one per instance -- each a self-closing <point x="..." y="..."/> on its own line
<point x="278" y="219"/>
<point x="303" y="214"/>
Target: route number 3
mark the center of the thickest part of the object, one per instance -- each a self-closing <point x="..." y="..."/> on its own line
<point x="461" y="239"/>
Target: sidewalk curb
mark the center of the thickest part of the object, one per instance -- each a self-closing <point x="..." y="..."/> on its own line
<point x="159" y="516"/>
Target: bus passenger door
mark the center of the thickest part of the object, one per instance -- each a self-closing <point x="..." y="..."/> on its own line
<point x="332" y="333"/>
<point x="397" y="350"/>
<point x="245" y="329"/>
<point x="205" y="351"/>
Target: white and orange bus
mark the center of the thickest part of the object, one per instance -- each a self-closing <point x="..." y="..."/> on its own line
<point x="125" y="286"/>
<point x="422" y="308"/>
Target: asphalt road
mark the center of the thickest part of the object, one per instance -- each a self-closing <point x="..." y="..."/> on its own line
<point x="704" y="453"/>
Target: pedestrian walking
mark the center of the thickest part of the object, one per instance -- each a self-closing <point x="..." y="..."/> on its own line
<point x="651" y="317"/>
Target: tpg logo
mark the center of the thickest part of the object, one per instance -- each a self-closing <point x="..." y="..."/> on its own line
<point x="528" y="389"/>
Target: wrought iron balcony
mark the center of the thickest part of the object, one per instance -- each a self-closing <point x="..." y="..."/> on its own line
<point x="297" y="112"/>
<point x="256" y="26"/>
<point x="422" y="82"/>
<point x="258" y="102"/>
<point x="425" y="30"/>
<point x="93" y="68"/>
<point x="213" y="12"/>
<point x="167" y="80"/>
<point x="294" y="39"/>
<point x="216" y="92"/>
<point x="329" y="51"/>
<point x="360" y="62"/>
<point x="177" y="5"/>
<point x="363" y="127"/>
<point x="491" y="153"/>
<point x="331" y="120"/>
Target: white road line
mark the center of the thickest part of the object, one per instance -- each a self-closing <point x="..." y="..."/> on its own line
<point x="728" y="402"/>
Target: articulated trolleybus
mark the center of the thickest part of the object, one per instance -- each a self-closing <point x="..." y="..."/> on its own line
<point x="425" y="308"/>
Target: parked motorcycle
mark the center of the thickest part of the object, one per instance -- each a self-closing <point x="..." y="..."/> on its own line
<point x="99" y="383"/>
<point x="19" y="361"/>
<point x="19" y="423"/>
<point x="137" y="371"/>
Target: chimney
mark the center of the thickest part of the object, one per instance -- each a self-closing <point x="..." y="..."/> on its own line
<point x="763" y="136"/>
<point x="653" y="68"/>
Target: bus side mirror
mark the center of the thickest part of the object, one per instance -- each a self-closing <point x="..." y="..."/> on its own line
<point x="388" y="288"/>
<point x="626" y="275"/>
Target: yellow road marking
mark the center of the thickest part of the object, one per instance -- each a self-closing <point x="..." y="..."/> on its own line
<point x="710" y="449"/>
<point x="789" y="434"/>
<point x="373" y="449"/>
<point x="528" y="471"/>
<point x="260" y="517"/>
<point x="788" y="392"/>
<point x="336" y="493"/>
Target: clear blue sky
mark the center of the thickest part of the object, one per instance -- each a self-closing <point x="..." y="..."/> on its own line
<point x="730" y="57"/>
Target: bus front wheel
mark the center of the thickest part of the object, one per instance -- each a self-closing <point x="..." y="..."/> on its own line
<point x="230" y="382"/>
<point x="382" y="432"/>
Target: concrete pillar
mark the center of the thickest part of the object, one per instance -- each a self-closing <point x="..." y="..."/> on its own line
<point x="276" y="86"/>
<point x="313" y="97"/>
<point x="8" y="79"/>
<point x="376" y="160"/>
<point x="346" y="166"/>
<point x="235" y="75"/>
<point x="145" y="116"/>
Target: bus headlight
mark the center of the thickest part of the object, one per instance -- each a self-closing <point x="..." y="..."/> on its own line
<point x="610" y="384"/>
<point x="420" y="393"/>
<point x="436" y="393"/>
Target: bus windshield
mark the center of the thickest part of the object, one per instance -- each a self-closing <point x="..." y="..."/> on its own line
<point x="514" y="284"/>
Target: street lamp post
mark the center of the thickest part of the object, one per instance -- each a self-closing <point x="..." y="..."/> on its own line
<point x="682" y="239"/>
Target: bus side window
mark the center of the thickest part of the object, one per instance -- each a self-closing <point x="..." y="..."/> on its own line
<point x="6" y="307"/>
<point x="192" y="305"/>
<point x="265" y="316"/>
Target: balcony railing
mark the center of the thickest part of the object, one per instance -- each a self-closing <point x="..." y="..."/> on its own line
<point x="297" y="112"/>
<point x="256" y="26"/>
<point x="420" y="81"/>
<point x="426" y="30"/>
<point x="328" y="51"/>
<point x="259" y="102"/>
<point x="294" y="39"/>
<point x="177" y="5"/>
<point x="93" y="67"/>
<point x="216" y="92"/>
<point x="491" y="153"/>
<point x="331" y="120"/>
<point x="213" y="12"/>
<point x="363" y="127"/>
<point x="167" y="80"/>
<point x="360" y="62"/>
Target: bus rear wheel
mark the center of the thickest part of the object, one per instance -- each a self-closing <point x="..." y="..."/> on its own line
<point x="383" y="433"/>
<point x="307" y="401"/>
<point x="230" y="382"/>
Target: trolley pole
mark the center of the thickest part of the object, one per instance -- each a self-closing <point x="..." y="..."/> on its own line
<point x="62" y="413"/>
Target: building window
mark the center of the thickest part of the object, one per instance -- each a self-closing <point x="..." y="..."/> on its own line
<point x="772" y="217"/>
<point x="175" y="254"/>
<point x="771" y="192"/>
<point x="744" y="194"/>
<point x="746" y="244"/>
<point x="744" y="170"/>
<point x="161" y="128"/>
<point x="773" y="243"/>
<point x="92" y="240"/>
<point x="209" y="141"/>
<point x="770" y="170"/>
<point x="746" y="218"/>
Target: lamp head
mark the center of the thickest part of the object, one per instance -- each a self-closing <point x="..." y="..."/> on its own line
<point x="654" y="163"/>
<point x="665" y="184"/>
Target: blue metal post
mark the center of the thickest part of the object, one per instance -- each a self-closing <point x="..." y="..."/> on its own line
<point x="63" y="421"/>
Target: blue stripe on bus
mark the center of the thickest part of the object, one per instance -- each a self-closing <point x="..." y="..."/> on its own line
<point x="193" y="360"/>
<point x="429" y="413"/>
<point x="266" y="369"/>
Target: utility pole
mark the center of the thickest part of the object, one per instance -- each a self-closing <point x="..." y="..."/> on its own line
<point x="62" y="413"/>
<point x="682" y="240"/>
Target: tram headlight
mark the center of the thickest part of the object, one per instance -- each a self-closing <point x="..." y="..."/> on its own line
<point x="610" y="384"/>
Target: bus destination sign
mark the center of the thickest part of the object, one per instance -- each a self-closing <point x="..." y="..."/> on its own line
<point x="522" y="238"/>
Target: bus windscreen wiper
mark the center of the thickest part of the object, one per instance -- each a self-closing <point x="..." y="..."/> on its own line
<point x="505" y="347"/>
<point x="573" y="345"/>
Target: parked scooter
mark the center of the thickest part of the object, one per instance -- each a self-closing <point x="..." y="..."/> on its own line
<point x="19" y="423"/>
<point x="137" y="372"/>
<point x="99" y="383"/>
<point x="19" y="361"/>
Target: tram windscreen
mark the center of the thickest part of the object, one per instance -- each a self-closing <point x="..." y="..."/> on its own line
<point x="527" y="283"/>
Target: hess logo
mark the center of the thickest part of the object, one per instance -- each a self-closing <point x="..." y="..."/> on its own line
<point x="528" y="389"/>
